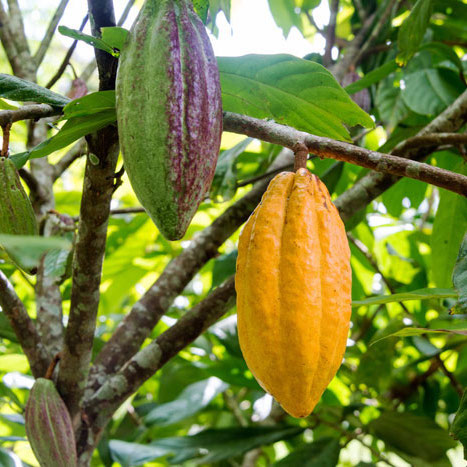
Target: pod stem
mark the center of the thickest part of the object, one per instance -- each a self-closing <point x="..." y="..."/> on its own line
<point x="53" y="364"/>
<point x="301" y="156"/>
<point x="6" y="139"/>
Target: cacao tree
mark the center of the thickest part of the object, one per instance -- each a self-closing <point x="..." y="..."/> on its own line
<point x="120" y="344"/>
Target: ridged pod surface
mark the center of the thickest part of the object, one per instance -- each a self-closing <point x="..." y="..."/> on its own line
<point x="293" y="286"/>
<point x="48" y="426"/>
<point x="16" y="213"/>
<point x="169" y="112"/>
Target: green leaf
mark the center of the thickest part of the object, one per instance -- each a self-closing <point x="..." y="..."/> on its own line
<point x="413" y="435"/>
<point x="412" y="30"/>
<point x="129" y="454"/>
<point x="409" y="188"/>
<point x="114" y="36"/>
<point x="448" y="230"/>
<point x="6" y="106"/>
<point x="224" y="184"/>
<point x="91" y="40"/>
<point x="74" y="129"/>
<point x="192" y="399"/>
<point x="215" y="445"/>
<point x="9" y="459"/>
<point x="90" y="104"/>
<point x="443" y="52"/>
<point x="225" y="443"/>
<point x="430" y="91"/>
<point x="17" y="89"/>
<point x="292" y="91"/>
<point x="283" y="12"/>
<point x="321" y="453"/>
<point x="332" y="175"/>
<point x="420" y="294"/>
<point x="389" y="103"/>
<point x="201" y="7"/>
<point x="224" y="267"/>
<point x="459" y="425"/>
<point x="372" y="77"/>
<point x="26" y="251"/>
<point x="409" y="331"/>
<point x="459" y="276"/>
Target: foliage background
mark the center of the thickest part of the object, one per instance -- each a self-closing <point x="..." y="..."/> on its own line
<point x="393" y="400"/>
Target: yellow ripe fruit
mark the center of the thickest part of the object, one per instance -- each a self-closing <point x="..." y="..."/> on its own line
<point x="293" y="285"/>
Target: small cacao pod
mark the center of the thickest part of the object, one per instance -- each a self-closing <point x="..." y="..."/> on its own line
<point x="169" y="112"/>
<point x="48" y="426"/>
<point x="16" y="212"/>
<point x="293" y="286"/>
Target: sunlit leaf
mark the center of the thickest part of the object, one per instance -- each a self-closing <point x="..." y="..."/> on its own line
<point x="291" y="91"/>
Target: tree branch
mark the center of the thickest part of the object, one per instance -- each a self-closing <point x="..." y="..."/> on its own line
<point x="374" y="184"/>
<point x="28" y="112"/>
<point x="45" y="43"/>
<point x="146" y="312"/>
<point x="24" y="328"/>
<point x="325" y="147"/>
<point x="66" y="60"/>
<point x="331" y="33"/>
<point x="86" y="74"/>
<point x="17" y="25"/>
<point x="100" y="407"/>
<point x="78" y="150"/>
<point x="98" y="187"/>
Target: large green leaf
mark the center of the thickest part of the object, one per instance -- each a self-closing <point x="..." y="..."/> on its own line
<point x="449" y="228"/>
<point x="413" y="435"/>
<point x="459" y="276"/>
<point x="321" y="453"/>
<point x="26" y="250"/>
<point x="430" y="91"/>
<point x="206" y="447"/>
<point x="413" y="29"/>
<point x="9" y="459"/>
<point x="192" y="399"/>
<point x="421" y="294"/>
<point x="292" y="91"/>
<point x="18" y="89"/>
<point x="459" y="425"/>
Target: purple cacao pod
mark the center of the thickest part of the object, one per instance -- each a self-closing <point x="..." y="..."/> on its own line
<point x="169" y="112"/>
<point x="48" y="426"/>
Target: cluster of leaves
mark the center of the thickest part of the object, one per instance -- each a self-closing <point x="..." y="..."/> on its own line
<point x="397" y="392"/>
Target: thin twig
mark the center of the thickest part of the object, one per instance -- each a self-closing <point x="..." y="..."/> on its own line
<point x="88" y="71"/>
<point x="45" y="43"/>
<point x="376" y="31"/>
<point x="61" y="69"/>
<point x="6" y="139"/>
<point x="455" y="383"/>
<point x="331" y="33"/>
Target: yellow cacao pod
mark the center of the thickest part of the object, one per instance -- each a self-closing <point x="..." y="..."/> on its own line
<point x="293" y="285"/>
